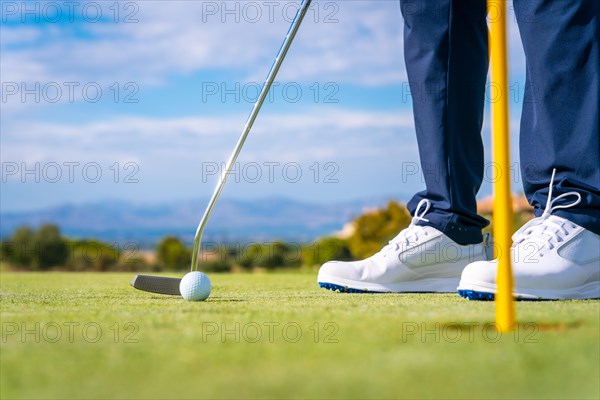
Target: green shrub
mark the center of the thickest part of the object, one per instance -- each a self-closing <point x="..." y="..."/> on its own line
<point x="326" y="249"/>
<point x="374" y="229"/>
<point x="172" y="254"/>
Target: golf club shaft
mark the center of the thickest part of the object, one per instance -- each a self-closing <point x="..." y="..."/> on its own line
<point x="257" y="106"/>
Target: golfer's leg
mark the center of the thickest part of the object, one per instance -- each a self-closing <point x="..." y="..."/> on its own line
<point x="556" y="256"/>
<point x="559" y="127"/>
<point x="446" y="54"/>
<point x="446" y="57"/>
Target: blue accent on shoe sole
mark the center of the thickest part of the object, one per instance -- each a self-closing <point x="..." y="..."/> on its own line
<point x="341" y="289"/>
<point x="473" y="295"/>
<point x="484" y="296"/>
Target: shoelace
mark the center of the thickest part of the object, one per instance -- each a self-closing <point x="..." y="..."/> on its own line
<point x="412" y="233"/>
<point x="544" y="230"/>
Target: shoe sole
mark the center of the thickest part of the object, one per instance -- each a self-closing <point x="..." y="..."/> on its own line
<point x="486" y="292"/>
<point x="440" y="285"/>
<point x="343" y="289"/>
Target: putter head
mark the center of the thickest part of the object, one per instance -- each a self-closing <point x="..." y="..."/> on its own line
<point x="157" y="284"/>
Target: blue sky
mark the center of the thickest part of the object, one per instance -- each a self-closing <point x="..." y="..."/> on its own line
<point x="141" y="101"/>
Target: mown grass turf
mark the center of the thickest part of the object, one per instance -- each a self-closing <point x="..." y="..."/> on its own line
<point x="280" y="336"/>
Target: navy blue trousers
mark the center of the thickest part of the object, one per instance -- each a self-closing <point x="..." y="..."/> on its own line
<point x="446" y="55"/>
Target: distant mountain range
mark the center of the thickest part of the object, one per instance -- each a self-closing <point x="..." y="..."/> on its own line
<point x="232" y="220"/>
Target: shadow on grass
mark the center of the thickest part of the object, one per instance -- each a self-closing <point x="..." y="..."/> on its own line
<point x="538" y="326"/>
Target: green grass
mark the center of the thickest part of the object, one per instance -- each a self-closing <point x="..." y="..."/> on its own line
<point x="364" y="347"/>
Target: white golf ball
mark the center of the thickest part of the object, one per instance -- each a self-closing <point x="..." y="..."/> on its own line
<point x="195" y="286"/>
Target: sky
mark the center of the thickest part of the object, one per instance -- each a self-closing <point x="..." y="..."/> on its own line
<point x="143" y="101"/>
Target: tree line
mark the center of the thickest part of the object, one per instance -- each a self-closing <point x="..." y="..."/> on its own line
<point x="47" y="249"/>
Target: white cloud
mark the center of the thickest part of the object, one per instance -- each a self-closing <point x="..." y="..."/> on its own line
<point x="320" y="134"/>
<point x="367" y="148"/>
<point x="171" y="38"/>
<point x="178" y="38"/>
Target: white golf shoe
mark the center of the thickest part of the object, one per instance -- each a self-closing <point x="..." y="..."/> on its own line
<point x="552" y="258"/>
<point x="419" y="259"/>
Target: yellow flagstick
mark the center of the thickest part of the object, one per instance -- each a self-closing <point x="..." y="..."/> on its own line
<point x="503" y="213"/>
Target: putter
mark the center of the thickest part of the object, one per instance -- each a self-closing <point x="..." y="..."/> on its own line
<point x="170" y="286"/>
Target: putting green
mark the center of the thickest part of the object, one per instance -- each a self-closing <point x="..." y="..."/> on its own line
<point x="280" y="336"/>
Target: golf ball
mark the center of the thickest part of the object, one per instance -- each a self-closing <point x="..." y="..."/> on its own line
<point x="195" y="286"/>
